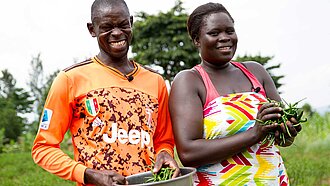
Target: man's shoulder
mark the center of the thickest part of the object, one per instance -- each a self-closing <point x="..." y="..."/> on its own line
<point x="150" y="69"/>
<point x="79" y="64"/>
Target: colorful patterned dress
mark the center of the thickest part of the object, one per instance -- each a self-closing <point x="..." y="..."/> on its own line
<point x="231" y="114"/>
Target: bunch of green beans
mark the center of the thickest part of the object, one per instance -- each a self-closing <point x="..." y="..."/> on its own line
<point x="165" y="173"/>
<point x="289" y="111"/>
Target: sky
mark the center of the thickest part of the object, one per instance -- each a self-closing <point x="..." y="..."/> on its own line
<point x="295" y="32"/>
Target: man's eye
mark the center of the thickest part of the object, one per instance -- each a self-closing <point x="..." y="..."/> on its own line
<point x="106" y="28"/>
<point x="125" y="26"/>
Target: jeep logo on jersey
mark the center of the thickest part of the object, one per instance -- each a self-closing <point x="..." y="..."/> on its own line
<point x="92" y="106"/>
<point x="133" y="136"/>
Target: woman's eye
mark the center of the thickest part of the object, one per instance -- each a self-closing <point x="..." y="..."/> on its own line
<point x="214" y="33"/>
<point x="230" y="31"/>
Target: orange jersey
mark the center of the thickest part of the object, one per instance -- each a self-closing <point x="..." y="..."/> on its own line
<point x="116" y="124"/>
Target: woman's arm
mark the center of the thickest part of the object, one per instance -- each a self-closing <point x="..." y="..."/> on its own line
<point x="264" y="78"/>
<point x="271" y="91"/>
<point x="186" y="109"/>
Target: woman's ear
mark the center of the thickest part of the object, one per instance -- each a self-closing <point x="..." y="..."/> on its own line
<point x="196" y="42"/>
<point x="91" y="29"/>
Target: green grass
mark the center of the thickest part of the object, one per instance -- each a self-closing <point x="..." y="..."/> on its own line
<point x="18" y="169"/>
<point x="307" y="161"/>
<point x="306" y="165"/>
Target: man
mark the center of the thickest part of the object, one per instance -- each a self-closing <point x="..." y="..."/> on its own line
<point x="117" y="111"/>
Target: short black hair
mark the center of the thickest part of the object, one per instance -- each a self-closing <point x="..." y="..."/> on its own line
<point x="195" y="20"/>
<point x="98" y="4"/>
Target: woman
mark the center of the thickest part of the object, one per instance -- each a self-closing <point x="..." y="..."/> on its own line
<point x="214" y="107"/>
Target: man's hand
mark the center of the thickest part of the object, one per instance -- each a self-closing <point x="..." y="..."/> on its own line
<point x="104" y="177"/>
<point x="166" y="160"/>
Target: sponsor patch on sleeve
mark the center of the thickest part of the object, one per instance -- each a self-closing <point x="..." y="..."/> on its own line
<point x="46" y="118"/>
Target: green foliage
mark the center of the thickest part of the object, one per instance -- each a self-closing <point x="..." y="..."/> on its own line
<point x="10" y="121"/>
<point x="2" y="137"/>
<point x="19" y="98"/>
<point x="13" y="103"/>
<point x="23" y="144"/>
<point x="163" y="40"/>
<point x="11" y="147"/>
<point x="308" y="109"/>
<point x="264" y="61"/>
<point x="39" y="86"/>
<point x="26" y="141"/>
<point x="307" y="160"/>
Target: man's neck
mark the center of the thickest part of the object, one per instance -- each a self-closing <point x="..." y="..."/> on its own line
<point x="122" y="64"/>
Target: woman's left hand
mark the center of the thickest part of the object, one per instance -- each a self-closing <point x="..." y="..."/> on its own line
<point x="290" y="132"/>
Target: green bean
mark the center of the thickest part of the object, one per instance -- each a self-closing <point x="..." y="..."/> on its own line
<point x="165" y="173"/>
<point x="289" y="111"/>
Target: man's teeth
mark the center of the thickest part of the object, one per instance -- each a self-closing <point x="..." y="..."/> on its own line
<point x="120" y="43"/>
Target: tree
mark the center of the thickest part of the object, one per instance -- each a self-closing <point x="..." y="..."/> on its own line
<point x="14" y="102"/>
<point x="39" y="86"/>
<point x="10" y="122"/>
<point x="163" y="40"/>
<point x="263" y="60"/>
<point x="308" y="110"/>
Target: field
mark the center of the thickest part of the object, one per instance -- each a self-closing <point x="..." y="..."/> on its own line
<point x="18" y="169"/>
<point x="307" y="160"/>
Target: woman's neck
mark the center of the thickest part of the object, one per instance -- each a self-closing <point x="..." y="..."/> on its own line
<point x="211" y="67"/>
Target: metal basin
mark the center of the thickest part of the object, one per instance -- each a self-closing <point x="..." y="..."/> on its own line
<point x="185" y="179"/>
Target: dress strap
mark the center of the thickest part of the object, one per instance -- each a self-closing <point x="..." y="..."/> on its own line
<point x="211" y="91"/>
<point x="256" y="85"/>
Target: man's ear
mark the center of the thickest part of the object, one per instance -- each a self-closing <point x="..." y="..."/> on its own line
<point x="91" y="29"/>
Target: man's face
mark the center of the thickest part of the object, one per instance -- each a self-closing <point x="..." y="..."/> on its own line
<point x="113" y="28"/>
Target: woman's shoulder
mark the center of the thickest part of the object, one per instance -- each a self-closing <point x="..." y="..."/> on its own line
<point x="187" y="74"/>
<point x="255" y="68"/>
<point x="189" y="78"/>
<point x="251" y="65"/>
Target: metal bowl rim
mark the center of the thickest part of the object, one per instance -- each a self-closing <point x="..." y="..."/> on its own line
<point x="193" y="171"/>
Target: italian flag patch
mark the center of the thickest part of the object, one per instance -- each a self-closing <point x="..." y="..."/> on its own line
<point x="92" y="106"/>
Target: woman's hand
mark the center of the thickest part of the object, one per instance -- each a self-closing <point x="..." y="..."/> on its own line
<point x="104" y="177"/>
<point x="290" y="132"/>
<point x="166" y="160"/>
<point x="268" y="111"/>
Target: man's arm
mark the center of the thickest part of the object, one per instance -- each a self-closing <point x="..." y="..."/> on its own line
<point x="54" y="123"/>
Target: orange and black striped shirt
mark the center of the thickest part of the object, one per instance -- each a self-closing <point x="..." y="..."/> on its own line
<point x="115" y="124"/>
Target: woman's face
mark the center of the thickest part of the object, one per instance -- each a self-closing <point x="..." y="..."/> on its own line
<point x="217" y="40"/>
